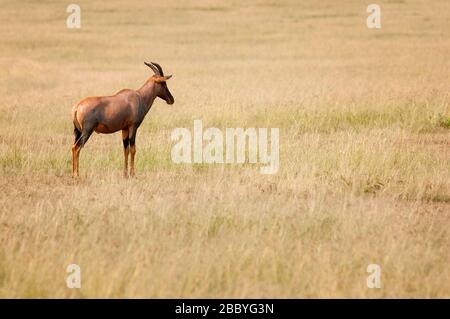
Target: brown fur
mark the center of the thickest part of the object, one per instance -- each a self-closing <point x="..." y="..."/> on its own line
<point x="123" y="111"/>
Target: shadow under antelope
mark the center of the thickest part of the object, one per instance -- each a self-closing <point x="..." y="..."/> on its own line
<point x="123" y="111"/>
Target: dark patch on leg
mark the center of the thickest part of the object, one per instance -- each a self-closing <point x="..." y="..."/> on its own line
<point x="76" y="134"/>
<point x="84" y="137"/>
<point x="126" y="142"/>
<point x="132" y="140"/>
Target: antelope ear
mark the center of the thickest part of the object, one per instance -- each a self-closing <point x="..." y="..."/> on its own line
<point x="167" y="77"/>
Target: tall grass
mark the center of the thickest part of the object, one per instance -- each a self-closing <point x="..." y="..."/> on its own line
<point x="364" y="151"/>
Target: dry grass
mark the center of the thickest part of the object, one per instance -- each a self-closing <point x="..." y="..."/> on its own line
<point x="364" y="178"/>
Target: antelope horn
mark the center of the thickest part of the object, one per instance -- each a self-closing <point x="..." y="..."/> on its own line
<point x="154" y="68"/>
<point x="159" y="68"/>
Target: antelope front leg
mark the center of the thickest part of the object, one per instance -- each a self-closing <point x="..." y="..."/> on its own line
<point x="126" y="151"/>
<point x="133" y="152"/>
<point x="132" y="137"/>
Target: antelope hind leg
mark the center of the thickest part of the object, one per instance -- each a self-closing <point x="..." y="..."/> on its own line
<point x="77" y="146"/>
<point x="75" y="151"/>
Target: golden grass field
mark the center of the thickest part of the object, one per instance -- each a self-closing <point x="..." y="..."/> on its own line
<point x="364" y="119"/>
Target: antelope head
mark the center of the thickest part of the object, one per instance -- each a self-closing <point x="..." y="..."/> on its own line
<point x="162" y="91"/>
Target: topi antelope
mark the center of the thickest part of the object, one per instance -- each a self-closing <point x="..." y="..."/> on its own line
<point x="123" y="111"/>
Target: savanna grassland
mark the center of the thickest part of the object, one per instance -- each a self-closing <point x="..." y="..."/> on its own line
<point x="364" y="178"/>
